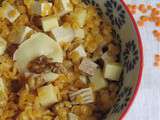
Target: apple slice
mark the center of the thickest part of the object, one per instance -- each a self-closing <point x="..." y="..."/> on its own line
<point x="39" y="44"/>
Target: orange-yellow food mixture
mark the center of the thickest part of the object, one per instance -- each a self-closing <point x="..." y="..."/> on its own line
<point x="43" y="92"/>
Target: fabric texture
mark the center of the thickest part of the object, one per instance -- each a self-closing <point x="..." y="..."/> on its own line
<point x="147" y="103"/>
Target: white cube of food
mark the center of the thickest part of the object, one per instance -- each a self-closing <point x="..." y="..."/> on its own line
<point x="3" y="45"/>
<point x="50" y="77"/>
<point x="23" y="33"/>
<point x="41" y="8"/>
<point x="63" y="34"/>
<point x="10" y="12"/>
<point x="80" y="16"/>
<point x="81" y="51"/>
<point x="88" y="66"/>
<point x="72" y="116"/>
<point x="98" y="80"/>
<point x="112" y="71"/>
<point x="49" y="22"/>
<point x="79" y="33"/>
<point x="66" y="7"/>
<point x="48" y="95"/>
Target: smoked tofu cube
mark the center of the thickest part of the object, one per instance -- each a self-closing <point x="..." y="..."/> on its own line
<point x="49" y="22"/>
<point x="88" y="66"/>
<point x="48" y="95"/>
<point x="79" y="33"/>
<point x="10" y="12"/>
<point x="80" y="17"/>
<point x="63" y="34"/>
<point x="3" y="46"/>
<point x="98" y="80"/>
<point x="112" y="71"/>
<point x="23" y="33"/>
<point x="81" y="51"/>
<point x="41" y="8"/>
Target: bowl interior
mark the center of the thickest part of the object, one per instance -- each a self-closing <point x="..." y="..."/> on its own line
<point x="126" y="35"/>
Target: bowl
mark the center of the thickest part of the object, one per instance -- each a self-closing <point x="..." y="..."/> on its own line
<point x="125" y="33"/>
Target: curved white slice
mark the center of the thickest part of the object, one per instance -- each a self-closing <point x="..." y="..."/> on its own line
<point x="39" y="44"/>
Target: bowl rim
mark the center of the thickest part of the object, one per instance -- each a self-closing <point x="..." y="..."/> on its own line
<point x="126" y="110"/>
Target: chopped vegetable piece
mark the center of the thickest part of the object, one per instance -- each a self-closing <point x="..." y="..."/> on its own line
<point x="80" y="16"/>
<point x="98" y="80"/>
<point x="23" y="33"/>
<point x="63" y="7"/>
<point x="41" y="8"/>
<point x="10" y="12"/>
<point x="88" y="66"/>
<point x="49" y="22"/>
<point x="83" y="96"/>
<point x="47" y="95"/>
<point x="63" y="34"/>
<point x="112" y="71"/>
<point x="81" y="51"/>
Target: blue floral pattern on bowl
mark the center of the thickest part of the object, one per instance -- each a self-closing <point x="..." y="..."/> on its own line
<point x="115" y="12"/>
<point x="126" y="36"/>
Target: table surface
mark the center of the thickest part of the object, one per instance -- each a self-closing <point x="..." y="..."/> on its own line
<point x="147" y="103"/>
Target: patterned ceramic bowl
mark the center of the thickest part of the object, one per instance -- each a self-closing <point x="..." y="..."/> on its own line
<point x="126" y="34"/>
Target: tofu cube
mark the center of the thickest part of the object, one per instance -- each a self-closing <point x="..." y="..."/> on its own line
<point x="10" y="12"/>
<point x="48" y="95"/>
<point x="49" y="22"/>
<point x="98" y="80"/>
<point x="79" y="33"/>
<point x="23" y="33"/>
<point x="41" y="8"/>
<point x="66" y="7"/>
<point x="88" y="66"/>
<point x="81" y="51"/>
<point x="3" y="46"/>
<point x="63" y="34"/>
<point x="112" y="71"/>
<point x="80" y="17"/>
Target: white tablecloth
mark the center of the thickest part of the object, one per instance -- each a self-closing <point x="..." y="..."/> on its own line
<point x="147" y="103"/>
